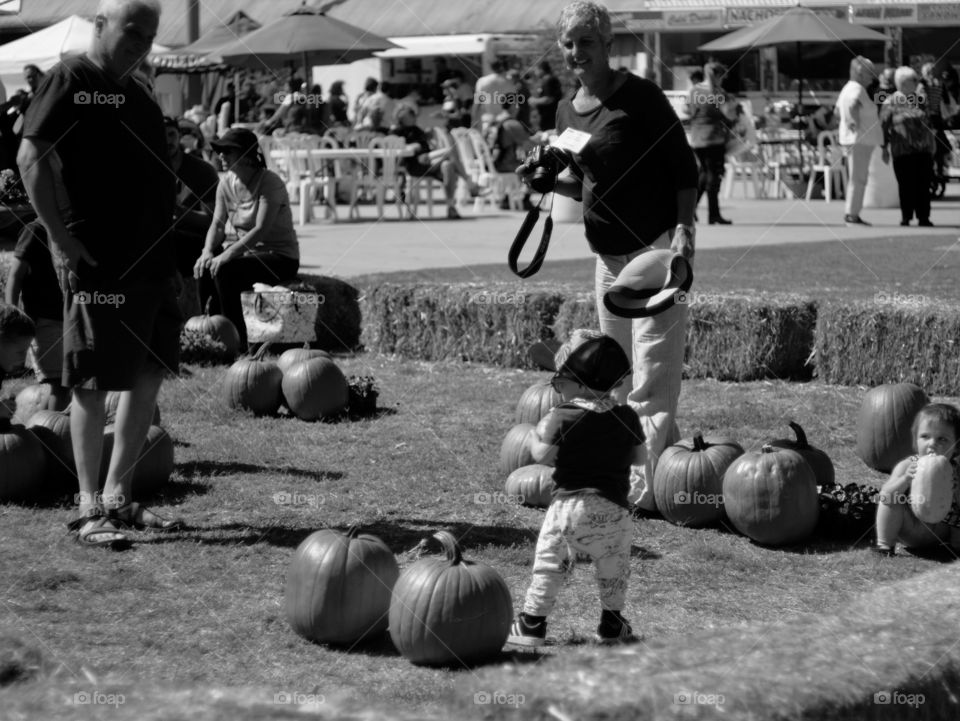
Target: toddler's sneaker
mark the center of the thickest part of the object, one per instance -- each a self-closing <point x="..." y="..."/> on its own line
<point x="523" y="632"/>
<point x="614" y="628"/>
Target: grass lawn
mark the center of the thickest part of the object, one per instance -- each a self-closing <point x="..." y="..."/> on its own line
<point x="846" y="270"/>
<point x="204" y="607"/>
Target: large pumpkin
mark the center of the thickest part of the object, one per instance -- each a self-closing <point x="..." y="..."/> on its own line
<point x="819" y="461"/>
<point x="688" y="481"/>
<point x="291" y="357"/>
<point x="532" y="485"/>
<point x="883" y="425"/>
<point x="536" y="402"/>
<point x="31" y="399"/>
<point x="22" y="463"/>
<point x="155" y="463"/>
<point x="52" y="429"/>
<point x="771" y="496"/>
<point x="515" y="449"/>
<point x="314" y="389"/>
<point x="253" y="384"/>
<point x="449" y="610"/>
<point x="338" y="586"/>
<point x="112" y="400"/>
<point x="216" y="327"/>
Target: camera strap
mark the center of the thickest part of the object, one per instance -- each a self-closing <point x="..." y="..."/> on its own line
<point x="526" y="228"/>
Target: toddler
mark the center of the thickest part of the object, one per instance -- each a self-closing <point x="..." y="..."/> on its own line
<point x="16" y="333"/>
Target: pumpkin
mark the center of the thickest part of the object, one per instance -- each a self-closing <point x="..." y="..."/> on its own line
<point x="533" y="485"/>
<point x="449" y="610"/>
<point x="931" y="491"/>
<point x="291" y="357"/>
<point x="253" y="384"/>
<point x="338" y="586"/>
<point x="771" y="496"/>
<point x="52" y="429"/>
<point x="884" y="424"/>
<point x="22" y="463"/>
<point x="688" y="481"/>
<point x="536" y="402"/>
<point x="515" y="449"/>
<point x="819" y="461"/>
<point x="216" y="327"/>
<point x="33" y="398"/>
<point x="111" y="402"/>
<point x="155" y="463"/>
<point x="315" y="389"/>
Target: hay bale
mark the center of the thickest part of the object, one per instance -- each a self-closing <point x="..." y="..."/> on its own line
<point x="338" y="315"/>
<point x="895" y="339"/>
<point x="464" y="321"/>
<point x="730" y="338"/>
<point x="869" y="659"/>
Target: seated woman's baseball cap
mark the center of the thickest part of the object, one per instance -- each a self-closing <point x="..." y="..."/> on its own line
<point x="599" y="363"/>
<point x="239" y="139"/>
<point x="649" y="284"/>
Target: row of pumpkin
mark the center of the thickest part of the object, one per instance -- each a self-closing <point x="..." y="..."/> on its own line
<point x="771" y="496"/>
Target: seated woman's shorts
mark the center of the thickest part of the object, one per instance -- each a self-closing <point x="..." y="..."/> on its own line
<point x="111" y="337"/>
<point x="46" y="351"/>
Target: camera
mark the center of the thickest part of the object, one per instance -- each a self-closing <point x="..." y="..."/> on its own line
<point x="547" y="163"/>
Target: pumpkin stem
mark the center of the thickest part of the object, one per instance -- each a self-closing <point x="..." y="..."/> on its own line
<point x="206" y="308"/>
<point x="450" y="546"/>
<point x="767" y="448"/>
<point x="353" y="530"/>
<point x="698" y="443"/>
<point x="261" y="352"/>
<point x="801" y="436"/>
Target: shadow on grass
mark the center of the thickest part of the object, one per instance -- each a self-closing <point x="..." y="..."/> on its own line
<point x="225" y="468"/>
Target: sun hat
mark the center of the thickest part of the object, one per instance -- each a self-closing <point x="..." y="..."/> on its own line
<point x="597" y="363"/>
<point x="649" y="284"/>
<point x="237" y="139"/>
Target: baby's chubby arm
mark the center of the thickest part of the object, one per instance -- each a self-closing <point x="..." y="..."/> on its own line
<point x="542" y="452"/>
<point x="900" y="480"/>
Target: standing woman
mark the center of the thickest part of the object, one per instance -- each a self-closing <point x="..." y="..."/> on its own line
<point x="909" y="137"/>
<point x="638" y="180"/>
<point x="251" y="237"/>
<point x="708" y="137"/>
<point x="338" y="104"/>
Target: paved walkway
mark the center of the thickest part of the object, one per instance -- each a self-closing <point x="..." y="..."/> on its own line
<point x="348" y="249"/>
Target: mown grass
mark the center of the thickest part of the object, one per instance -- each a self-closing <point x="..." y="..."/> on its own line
<point x="862" y="269"/>
<point x="203" y="608"/>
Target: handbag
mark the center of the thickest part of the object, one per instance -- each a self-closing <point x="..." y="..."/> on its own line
<point x="274" y="314"/>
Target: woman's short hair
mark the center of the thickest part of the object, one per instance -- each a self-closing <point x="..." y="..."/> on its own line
<point x="902" y="75"/>
<point x="585" y="12"/>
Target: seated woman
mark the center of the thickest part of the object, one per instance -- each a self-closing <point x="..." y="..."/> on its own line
<point x="443" y="163"/>
<point x="261" y="246"/>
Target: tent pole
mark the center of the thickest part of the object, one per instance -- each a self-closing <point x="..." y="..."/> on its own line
<point x="800" y="124"/>
<point x="236" y="96"/>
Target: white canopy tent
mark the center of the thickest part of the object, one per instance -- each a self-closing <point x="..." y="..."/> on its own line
<point x="45" y="48"/>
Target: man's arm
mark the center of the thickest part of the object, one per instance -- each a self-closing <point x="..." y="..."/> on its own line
<point x="34" y="160"/>
<point x="18" y="271"/>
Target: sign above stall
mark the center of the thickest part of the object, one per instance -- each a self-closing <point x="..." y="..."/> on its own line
<point x="707" y="18"/>
<point x="740" y="16"/>
<point x="883" y="14"/>
<point x="937" y="14"/>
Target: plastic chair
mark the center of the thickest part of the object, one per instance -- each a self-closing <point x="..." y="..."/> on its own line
<point x="746" y="168"/>
<point x="829" y="161"/>
<point x="500" y="184"/>
<point x="387" y="177"/>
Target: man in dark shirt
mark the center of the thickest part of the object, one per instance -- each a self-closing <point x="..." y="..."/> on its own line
<point x="196" y="196"/>
<point x="121" y="323"/>
<point x="547" y="96"/>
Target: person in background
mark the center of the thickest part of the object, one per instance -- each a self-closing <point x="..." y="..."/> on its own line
<point x="709" y="132"/>
<point x="16" y="334"/>
<point x="442" y="73"/>
<point x="859" y="133"/>
<point x="909" y="139"/>
<point x="370" y="86"/>
<point x="930" y="91"/>
<point x="455" y="110"/>
<point x="509" y="141"/>
<point x="546" y="96"/>
<point x="822" y="119"/>
<point x="229" y="96"/>
<point x="376" y="109"/>
<point x="521" y="102"/>
<point x="950" y="81"/>
<point x="338" y="104"/>
<point x="32" y="284"/>
<point x="491" y="93"/>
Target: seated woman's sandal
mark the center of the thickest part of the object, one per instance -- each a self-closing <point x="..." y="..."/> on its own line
<point x="135" y="517"/>
<point x="96" y="530"/>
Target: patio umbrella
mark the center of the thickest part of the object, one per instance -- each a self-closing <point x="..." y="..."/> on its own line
<point x="798" y="25"/>
<point x="305" y="35"/>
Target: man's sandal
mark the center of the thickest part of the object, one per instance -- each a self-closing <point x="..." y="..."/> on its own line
<point x="96" y="531"/>
<point x="135" y="517"/>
